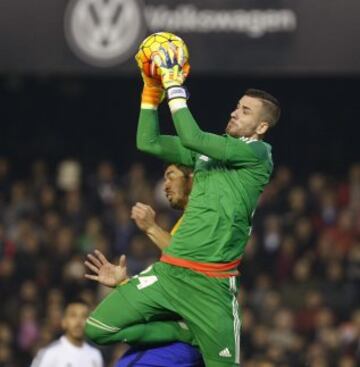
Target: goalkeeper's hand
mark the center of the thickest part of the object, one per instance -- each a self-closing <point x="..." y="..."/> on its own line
<point x="153" y="92"/>
<point x="171" y="65"/>
<point x="173" y="71"/>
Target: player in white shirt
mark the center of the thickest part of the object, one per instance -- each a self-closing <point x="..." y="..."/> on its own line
<point x="70" y="350"/>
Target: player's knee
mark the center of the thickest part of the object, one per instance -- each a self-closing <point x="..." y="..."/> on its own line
<point x="92" y="333"/>
<point x="96" y="334"/>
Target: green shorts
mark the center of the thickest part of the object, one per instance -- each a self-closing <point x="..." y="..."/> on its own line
<point x="207" y="305"/>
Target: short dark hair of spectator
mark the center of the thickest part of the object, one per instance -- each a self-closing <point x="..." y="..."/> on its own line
<point x="76" y="301"/>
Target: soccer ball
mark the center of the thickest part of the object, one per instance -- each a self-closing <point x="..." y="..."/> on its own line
<point x="152" y="44"/>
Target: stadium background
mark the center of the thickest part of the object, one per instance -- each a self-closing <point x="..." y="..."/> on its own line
<point x="301" y="274"/>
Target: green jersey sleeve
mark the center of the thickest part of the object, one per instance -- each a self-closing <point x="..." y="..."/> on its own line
<point x="166" y="147"/>
<point x="234" y="151"/>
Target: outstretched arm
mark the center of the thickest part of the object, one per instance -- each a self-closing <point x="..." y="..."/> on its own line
<point x="225" y="148"/>
<point x="148" y="138"/>
<point x="192" y="137"/>
<point x="170" y="64"/>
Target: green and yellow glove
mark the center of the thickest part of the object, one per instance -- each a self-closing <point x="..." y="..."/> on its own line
<point x="173" y="71"/>
<point x="153" y="92"/>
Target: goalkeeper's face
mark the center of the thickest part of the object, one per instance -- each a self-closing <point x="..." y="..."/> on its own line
<point x="177" y="187"/>
<point x="247" y="119"/>
<point x="74" y="320"/>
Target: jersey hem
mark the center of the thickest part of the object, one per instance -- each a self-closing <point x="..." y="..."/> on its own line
<point x="213" y="270"/>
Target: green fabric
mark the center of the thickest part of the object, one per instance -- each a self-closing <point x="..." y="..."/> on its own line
<point x="230" y="175"/>
<point x="207" y="305"/>
<point x="166" y="147"/>
<point x="232" y="151"/>
<point x="119" y="310"/>
<point x="151" y="333"/>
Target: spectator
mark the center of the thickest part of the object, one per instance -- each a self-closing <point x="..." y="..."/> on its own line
<point x="70" y="349"/>
<point x="300" y="276"/>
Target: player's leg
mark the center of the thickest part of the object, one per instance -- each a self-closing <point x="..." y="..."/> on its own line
<point x="134" y="313"/>
<point x="211" y="310"/>
<point x="218" y="332"/>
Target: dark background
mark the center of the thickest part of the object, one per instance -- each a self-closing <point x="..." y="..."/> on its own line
<point x="54" y="104"/>
<point x="95" y="118"/>
<point x="325" y="40"/>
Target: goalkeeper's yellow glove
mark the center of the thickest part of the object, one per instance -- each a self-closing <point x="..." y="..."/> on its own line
<point x="173" y="71"/>
<point x="153" y="92"/>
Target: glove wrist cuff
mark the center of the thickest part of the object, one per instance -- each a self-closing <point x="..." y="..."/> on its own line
<point x="177" y="96"/>
<point x="177" y="92"/>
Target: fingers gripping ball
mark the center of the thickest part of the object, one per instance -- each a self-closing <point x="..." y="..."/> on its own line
<point x="166" y="42"/>
<point x="169" y="64"/>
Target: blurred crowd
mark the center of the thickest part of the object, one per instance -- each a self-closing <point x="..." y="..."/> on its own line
<point x="300" y="290"/>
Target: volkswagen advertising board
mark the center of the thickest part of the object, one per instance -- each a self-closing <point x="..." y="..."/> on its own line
<point x="228" y="36"/>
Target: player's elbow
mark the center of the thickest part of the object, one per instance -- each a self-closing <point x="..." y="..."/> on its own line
<point x="149" y="147"/>
<point x="143" y="146"/>
<point x="146" y="148"/>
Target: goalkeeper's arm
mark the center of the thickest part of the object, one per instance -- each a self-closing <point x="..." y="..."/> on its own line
<point x="148" y="137"/>
<point x="224" y="148"/>
<point x="173" y="73"/>
<point x="166" y="147"/>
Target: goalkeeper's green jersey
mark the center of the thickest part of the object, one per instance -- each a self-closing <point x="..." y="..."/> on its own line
<point x="229" y="175"/>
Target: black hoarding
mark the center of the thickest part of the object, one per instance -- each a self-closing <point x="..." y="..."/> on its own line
<point x="227" y="36"/>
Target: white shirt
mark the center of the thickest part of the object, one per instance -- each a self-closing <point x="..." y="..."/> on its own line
<point x="62" y="353"/>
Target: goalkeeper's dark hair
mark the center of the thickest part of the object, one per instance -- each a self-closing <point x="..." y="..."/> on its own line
<point x="272" y="110"/>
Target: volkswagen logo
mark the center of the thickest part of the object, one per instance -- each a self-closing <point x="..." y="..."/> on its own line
<point x="104" y="33"/>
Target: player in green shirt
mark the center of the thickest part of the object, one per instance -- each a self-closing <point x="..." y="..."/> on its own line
<point x="196" y="278"/>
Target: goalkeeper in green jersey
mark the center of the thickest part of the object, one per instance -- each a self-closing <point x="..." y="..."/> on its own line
<point x="196" y="277"/>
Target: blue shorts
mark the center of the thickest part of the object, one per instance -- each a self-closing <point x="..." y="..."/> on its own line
<point x="169" y="355"/>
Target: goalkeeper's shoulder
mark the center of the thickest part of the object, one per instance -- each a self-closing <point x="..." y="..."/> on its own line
<point x="262" y="149"/>
<point x="258" y="149"/>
